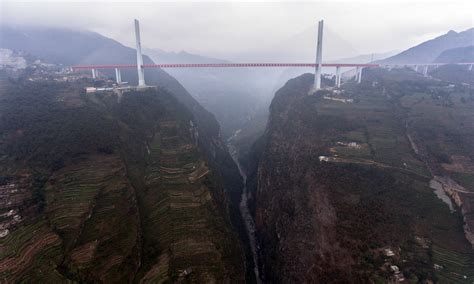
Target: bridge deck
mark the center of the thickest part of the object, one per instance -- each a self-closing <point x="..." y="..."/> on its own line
<point x="221" y="65"/>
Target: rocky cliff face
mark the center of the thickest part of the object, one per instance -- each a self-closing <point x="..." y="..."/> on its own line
<point x="97" y="190"/>
<point x="341" y="196"/>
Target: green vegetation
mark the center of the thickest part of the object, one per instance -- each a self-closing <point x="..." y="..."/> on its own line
<point x="182" y="229"/>
<point x="373" y="191"/>
<point x="109" y="190"/>
<point x="440" y="120"/>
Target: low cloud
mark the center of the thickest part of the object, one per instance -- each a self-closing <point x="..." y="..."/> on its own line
<point x="228" y="28"/>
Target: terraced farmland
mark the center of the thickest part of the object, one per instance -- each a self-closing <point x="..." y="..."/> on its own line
<point x="456" y="267"/>
<point x="183" y="224"/>
<point x="106" y="247"/>
<point x="119" y="193"/>
<point x="440" y="123"/>
<point x="89" y="206"/>
<point x="34" y="248"/>
<point x="71" y="194"/>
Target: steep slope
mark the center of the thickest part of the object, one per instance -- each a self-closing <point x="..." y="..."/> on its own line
<point x="428" y="51"/>
<point x="459" y="54"/>
<point x="96" y="190"/>
<point x="342" y="190"/>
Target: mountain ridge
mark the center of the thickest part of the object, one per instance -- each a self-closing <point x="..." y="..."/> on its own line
<point x="428" y="51"/>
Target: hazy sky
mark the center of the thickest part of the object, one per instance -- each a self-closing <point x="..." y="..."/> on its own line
<point x="228" y="28"/>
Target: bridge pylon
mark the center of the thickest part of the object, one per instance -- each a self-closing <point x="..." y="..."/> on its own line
<point x="118" y="76"/>
<point x="319" y="59"/>
<point x="141" y="70"/>
<point x="359" y="75"/>
<point x="94" y="74"/>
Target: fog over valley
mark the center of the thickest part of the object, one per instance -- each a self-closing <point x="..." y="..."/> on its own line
<point x="236" y="142"/>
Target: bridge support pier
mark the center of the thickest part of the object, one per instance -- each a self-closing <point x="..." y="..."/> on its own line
<point x="94" y="74"/>
<point x="338" y="77"/>
<point x="416" y="68"/>
<point x="425" y="71"/>
<point x="118" y="76"/>
<point x="470" y="68"/>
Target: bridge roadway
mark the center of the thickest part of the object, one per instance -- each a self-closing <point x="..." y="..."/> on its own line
<point x="268" y="64"/>
<point x="220" y="65"/>
<point x="339" y="66"/>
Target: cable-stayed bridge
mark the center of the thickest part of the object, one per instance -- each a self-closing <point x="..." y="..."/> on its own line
<point x="318" y="65"/>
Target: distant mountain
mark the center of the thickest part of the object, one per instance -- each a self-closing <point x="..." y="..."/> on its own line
<point x="65" y="46"/>
<point x="367" y="58"/>
<point x="428" y="51"/>
<point x="301" y="47"/>
<point x="460" y="54"/>
<point x="162" y="56"/>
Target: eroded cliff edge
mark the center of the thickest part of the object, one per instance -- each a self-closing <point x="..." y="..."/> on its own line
<point x="340" y="194"/>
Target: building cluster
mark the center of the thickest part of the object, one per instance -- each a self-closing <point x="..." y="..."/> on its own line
<point x="11" y="217"/>
<point x="54" y="73"/>
<point x="324" y="159"/>
<point x="397" y="273"/>
<point x="20" y="65"/>
<point x="353" y="145"/>
<point x="12" y="60"/>
<point x="339" y="99"/>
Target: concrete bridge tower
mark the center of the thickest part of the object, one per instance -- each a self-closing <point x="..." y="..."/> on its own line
<point x="141" y="71"/>
<point x="319" y="58"/>
<point x="118" y="76"/>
